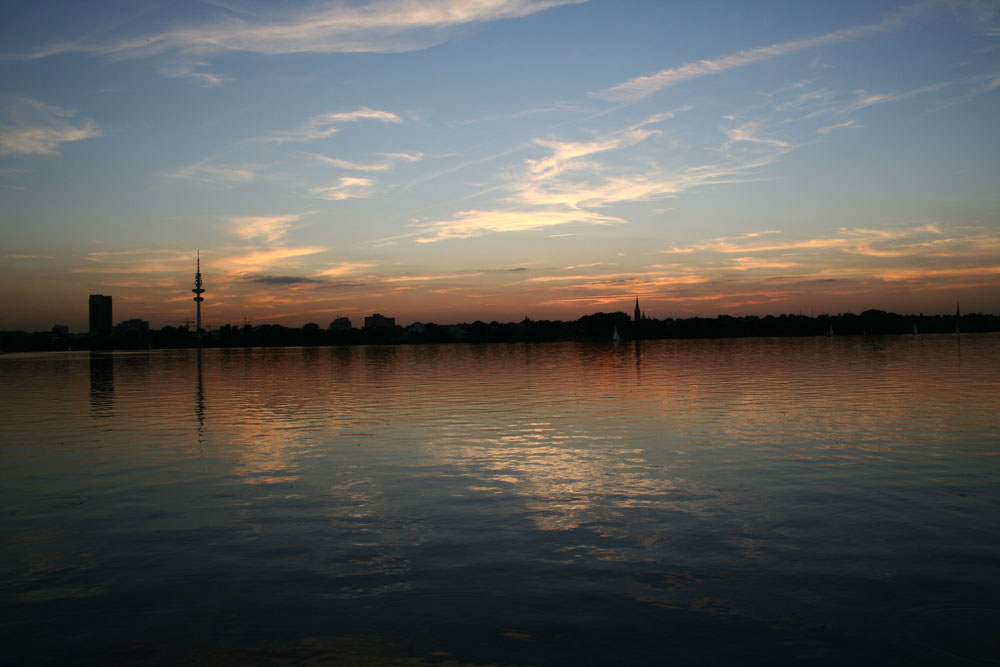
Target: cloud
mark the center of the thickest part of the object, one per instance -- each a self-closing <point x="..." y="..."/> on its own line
<point x="386" y="26"/>
<point x="189" y="70"/>
<point x="565" y="178"/>
<point x="386" y="165"/>
<point x="348" y="187"/>
<point x="752" y="263"/>
<point x="342" y="269"/>
<point x="476" y="223"/>
<point x="817" y="103"/>
<point x="980" y="85"/>
<point x="644" y="86"/>
<point x="869" y="242"/>
<point x="922" y="274"/>
<point x="748" y="132"/>
<point x="268" y="228"/>
<point x="327" y="124"/>
<point x="563" y="153"/>
<point x="567" y="184"/>
<point x="259" y="261"/>
<point x="285" y="280"/>
<point x="836" y="126"/>
<point x="31" y="127"/>
<point x="716" y="242"/>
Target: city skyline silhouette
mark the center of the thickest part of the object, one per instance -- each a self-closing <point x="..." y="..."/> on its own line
<point x="506" y="159"/>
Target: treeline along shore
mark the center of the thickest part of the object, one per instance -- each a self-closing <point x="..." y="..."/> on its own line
<point x="598" y="326"/>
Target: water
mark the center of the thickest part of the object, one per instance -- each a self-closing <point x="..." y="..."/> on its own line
<point x="687" y="502"/>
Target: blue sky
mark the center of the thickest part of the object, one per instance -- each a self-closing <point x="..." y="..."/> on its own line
<point x="452" y="161"/>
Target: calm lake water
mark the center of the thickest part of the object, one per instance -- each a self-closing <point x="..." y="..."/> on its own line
<point x="664" y="502"/>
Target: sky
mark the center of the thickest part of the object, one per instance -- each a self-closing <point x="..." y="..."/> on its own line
<point x="456" y="160"/>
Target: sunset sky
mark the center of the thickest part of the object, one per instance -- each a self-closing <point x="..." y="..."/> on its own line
<point x="456" y="160"/>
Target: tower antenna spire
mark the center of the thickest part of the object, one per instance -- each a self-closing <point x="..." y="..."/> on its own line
<point x="198" y="291"/>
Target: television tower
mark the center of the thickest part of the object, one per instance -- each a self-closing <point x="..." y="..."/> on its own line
<point x="198" y="292"/>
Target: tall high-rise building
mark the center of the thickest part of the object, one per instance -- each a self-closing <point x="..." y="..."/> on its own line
<point x="100" y="314"/>
<point x="198" y="291"/>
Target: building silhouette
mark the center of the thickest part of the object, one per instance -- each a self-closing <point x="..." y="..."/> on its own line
<point x="341" y="324"/>
<point x="100" y="314"/>
<point x="137" y="327"/>
<point x="377" y="321"/>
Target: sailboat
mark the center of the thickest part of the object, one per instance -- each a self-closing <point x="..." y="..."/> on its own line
<point x="915" y="332"/>
<point x="829" y="332"/>
<point x="615" y="338"/>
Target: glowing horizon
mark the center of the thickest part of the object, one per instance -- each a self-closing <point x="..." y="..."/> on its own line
<point x="447" y="162"/>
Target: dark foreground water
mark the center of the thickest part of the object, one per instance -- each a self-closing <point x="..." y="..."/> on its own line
<point x="667" y="502"/>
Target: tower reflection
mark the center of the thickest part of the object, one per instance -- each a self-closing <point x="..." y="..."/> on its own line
<point x="200" y="400"/>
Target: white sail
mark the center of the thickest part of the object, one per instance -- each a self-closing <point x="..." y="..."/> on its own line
<point x="615" y="337"/>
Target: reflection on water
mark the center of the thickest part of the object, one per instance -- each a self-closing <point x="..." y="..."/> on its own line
<point x="200" y="399"/>
<point x="102" y="384"/>
<point x="737" y="500"/>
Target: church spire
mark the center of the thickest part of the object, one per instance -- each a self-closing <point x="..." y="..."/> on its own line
<point x="638" y="313"/>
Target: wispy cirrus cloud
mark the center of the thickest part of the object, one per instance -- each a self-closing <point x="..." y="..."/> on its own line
<point x="467" y="224"/>
<point x="381" y="26"/>
<point x="643" y="86"/>
<point x="870" y="242"/>
<point x="563" y="153"/>
<point x="192" y="70"/>
<point x="345" y="269"/>
<point x="828" y="129"/>
<point x="347" y="187"/>
<point x="326" y="125"/>
<point x="571" y="183"/>
<point x="267" y="228"/>
<point x="748" y="132"/>
<point x="387" y="164"/>
<point x="973" y="88"/>
<point x="31" y="127"/>
<point x="571" y="177"/>
<point x="801" y="102"/>
<point x="263" y="260"/>
<point x="755" y="263"/>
